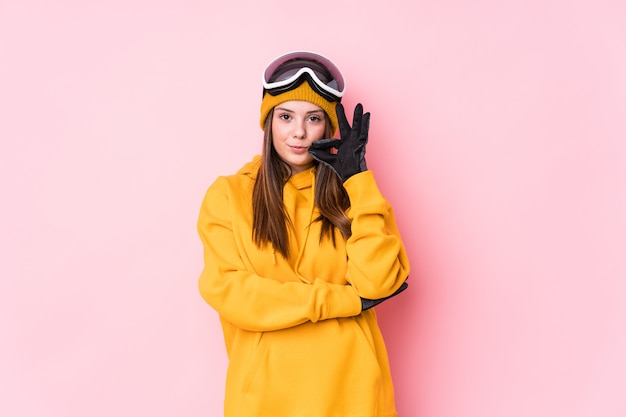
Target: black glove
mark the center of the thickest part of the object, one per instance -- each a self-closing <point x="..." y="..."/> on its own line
<point x="350" y="156"/>
<point x="367" y="303"/>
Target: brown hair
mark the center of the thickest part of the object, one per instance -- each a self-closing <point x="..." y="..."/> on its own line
<point x="270" y="219"/>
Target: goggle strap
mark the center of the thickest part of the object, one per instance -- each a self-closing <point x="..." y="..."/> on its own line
<point x="297" y="82"/>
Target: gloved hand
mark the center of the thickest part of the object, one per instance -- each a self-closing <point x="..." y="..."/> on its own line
<point x="350" y="156"/>
<point x="366" y="303"/>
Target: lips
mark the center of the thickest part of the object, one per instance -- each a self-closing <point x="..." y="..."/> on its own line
<point x="299" y="149"/>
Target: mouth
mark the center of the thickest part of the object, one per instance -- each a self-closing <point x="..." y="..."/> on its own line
<point x="299" y="149"/>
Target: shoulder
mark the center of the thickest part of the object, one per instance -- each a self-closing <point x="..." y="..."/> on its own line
<point x="239" y="184"/>
<point x="247" y="173"/>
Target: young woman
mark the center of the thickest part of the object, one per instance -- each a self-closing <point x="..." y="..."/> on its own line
<point x="298" y="246"/>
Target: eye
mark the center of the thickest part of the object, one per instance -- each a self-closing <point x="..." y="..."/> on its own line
<point x="315" y="118"/>
<point x="284" y="116"/>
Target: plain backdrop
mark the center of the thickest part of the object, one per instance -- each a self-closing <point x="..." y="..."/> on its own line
<point x="498" y="133"/>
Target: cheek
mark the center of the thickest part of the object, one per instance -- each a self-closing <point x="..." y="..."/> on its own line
<point x="318" y="132"/>
<point x="277" y="134"/>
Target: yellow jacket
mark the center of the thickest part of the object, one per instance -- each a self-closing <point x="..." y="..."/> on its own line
<point x="297" y="342"/>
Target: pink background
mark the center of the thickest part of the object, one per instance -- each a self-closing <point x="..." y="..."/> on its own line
<point x="498" y="133"/>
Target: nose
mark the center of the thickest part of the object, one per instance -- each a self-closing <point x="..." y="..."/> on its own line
<point x="299" y="130"/>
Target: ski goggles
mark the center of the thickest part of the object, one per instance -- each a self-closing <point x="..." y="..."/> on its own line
<point x="290" y="70"/>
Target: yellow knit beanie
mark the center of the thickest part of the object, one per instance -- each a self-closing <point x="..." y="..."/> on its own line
<point x="303" y="92"/>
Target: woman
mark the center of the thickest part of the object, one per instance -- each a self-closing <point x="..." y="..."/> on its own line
<point x="298" y="246"/>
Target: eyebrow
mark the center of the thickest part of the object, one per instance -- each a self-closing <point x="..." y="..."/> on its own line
<point x="291" y="111"/>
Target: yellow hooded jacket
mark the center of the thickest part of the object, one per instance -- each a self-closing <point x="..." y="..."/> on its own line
<point x="297" y="342"/>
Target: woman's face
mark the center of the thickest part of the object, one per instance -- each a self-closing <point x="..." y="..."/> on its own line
<point x="295" y="125"/>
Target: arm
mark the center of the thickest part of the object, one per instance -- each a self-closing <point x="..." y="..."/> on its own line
<point x="377" y="261"/>
<point x="250" y="301"/>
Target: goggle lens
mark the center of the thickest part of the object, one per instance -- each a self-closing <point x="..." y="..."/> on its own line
<point x="289" y="69"/>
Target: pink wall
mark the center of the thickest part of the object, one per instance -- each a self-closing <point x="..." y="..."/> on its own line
<point x="498" y="133"/>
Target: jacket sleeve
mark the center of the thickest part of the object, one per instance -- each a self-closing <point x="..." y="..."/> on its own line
<point x="377" y="260"/>
<point x="250" y="301"/>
